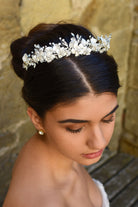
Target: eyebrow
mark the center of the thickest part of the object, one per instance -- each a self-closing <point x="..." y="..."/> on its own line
<point x="85" y="121"/>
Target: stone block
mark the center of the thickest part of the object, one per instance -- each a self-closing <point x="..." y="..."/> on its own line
<point x="133" y="64"/>
<point x="135" y="21"/>
<point x="6" y="165"/>
<point x="79" y="7"/>
<point x="34" y="12"/>
<point x="7" y="7"/>
<point x="129" y="144"/>
<point x="9" y="24"/>
<point x="12" y="107"/>
<point x="110" y="16"/>
<point x="9" y="85"/>
<point x="135" y="2"/>
<point x="6" y="139"/>
<point x="131" y="119"/>
<point x="120" y="44"/>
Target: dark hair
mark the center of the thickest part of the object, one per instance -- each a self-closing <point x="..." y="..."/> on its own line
<point x="62" y="80"/>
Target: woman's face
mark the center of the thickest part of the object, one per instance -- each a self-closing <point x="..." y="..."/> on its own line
<point x="81" y="131"/>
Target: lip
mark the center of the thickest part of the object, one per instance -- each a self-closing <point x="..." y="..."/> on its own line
<point x="93" y="155"/>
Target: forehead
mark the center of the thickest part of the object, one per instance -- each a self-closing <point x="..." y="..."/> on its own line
<point x="84" y="107"/>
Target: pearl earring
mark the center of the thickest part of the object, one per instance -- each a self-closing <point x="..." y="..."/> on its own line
<point x="41" y="132"/>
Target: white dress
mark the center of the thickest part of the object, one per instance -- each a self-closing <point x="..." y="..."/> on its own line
<point x="104" y="194"/>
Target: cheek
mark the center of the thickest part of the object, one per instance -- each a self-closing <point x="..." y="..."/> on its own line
<point x="108" y="131"/>
<point x="63" y="140"/>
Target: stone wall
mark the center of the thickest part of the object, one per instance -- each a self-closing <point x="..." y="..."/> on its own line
<point x="129" y="137"/>
<point x="102" y="17"/>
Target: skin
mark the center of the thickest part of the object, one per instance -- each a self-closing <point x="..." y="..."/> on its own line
<point x="49" y="170"/>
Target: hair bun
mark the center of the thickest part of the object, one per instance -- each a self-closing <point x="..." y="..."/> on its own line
<point x="16" y="48"/>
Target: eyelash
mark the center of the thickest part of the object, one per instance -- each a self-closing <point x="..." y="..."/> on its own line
<point x="78" y="130"/>
<point x="109" y="120"/>
<point x="73" y="131"/>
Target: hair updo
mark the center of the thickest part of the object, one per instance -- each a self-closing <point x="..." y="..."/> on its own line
<point x="66" y="79"/>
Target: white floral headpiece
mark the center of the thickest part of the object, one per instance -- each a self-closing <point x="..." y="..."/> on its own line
<point x="77" y="46"/>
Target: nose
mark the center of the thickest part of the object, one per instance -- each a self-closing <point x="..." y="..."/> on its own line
<point x="96" y="138"/>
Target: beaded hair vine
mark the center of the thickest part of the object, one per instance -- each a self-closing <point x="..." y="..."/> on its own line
<point x="77" y="46"/>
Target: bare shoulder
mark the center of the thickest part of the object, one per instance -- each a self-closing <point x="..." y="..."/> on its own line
<point x="21" y="198"/>
<point x="30" y="184"/>
<point x="94" y="192"/>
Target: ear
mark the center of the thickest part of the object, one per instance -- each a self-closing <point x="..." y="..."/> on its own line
<point x="35" y="118"/>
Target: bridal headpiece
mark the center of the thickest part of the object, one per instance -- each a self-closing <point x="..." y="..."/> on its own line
<point x="77" y="46"/>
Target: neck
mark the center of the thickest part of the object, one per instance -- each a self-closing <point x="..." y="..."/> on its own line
<point x="60" y="166"/>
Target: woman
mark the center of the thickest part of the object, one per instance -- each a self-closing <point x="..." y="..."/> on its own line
<point x="70" y="86"/>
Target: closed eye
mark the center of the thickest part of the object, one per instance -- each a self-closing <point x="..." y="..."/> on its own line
<point x="74" y="131"/>
<point x="109" y="120"/>
<point x="78" y="130"/>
